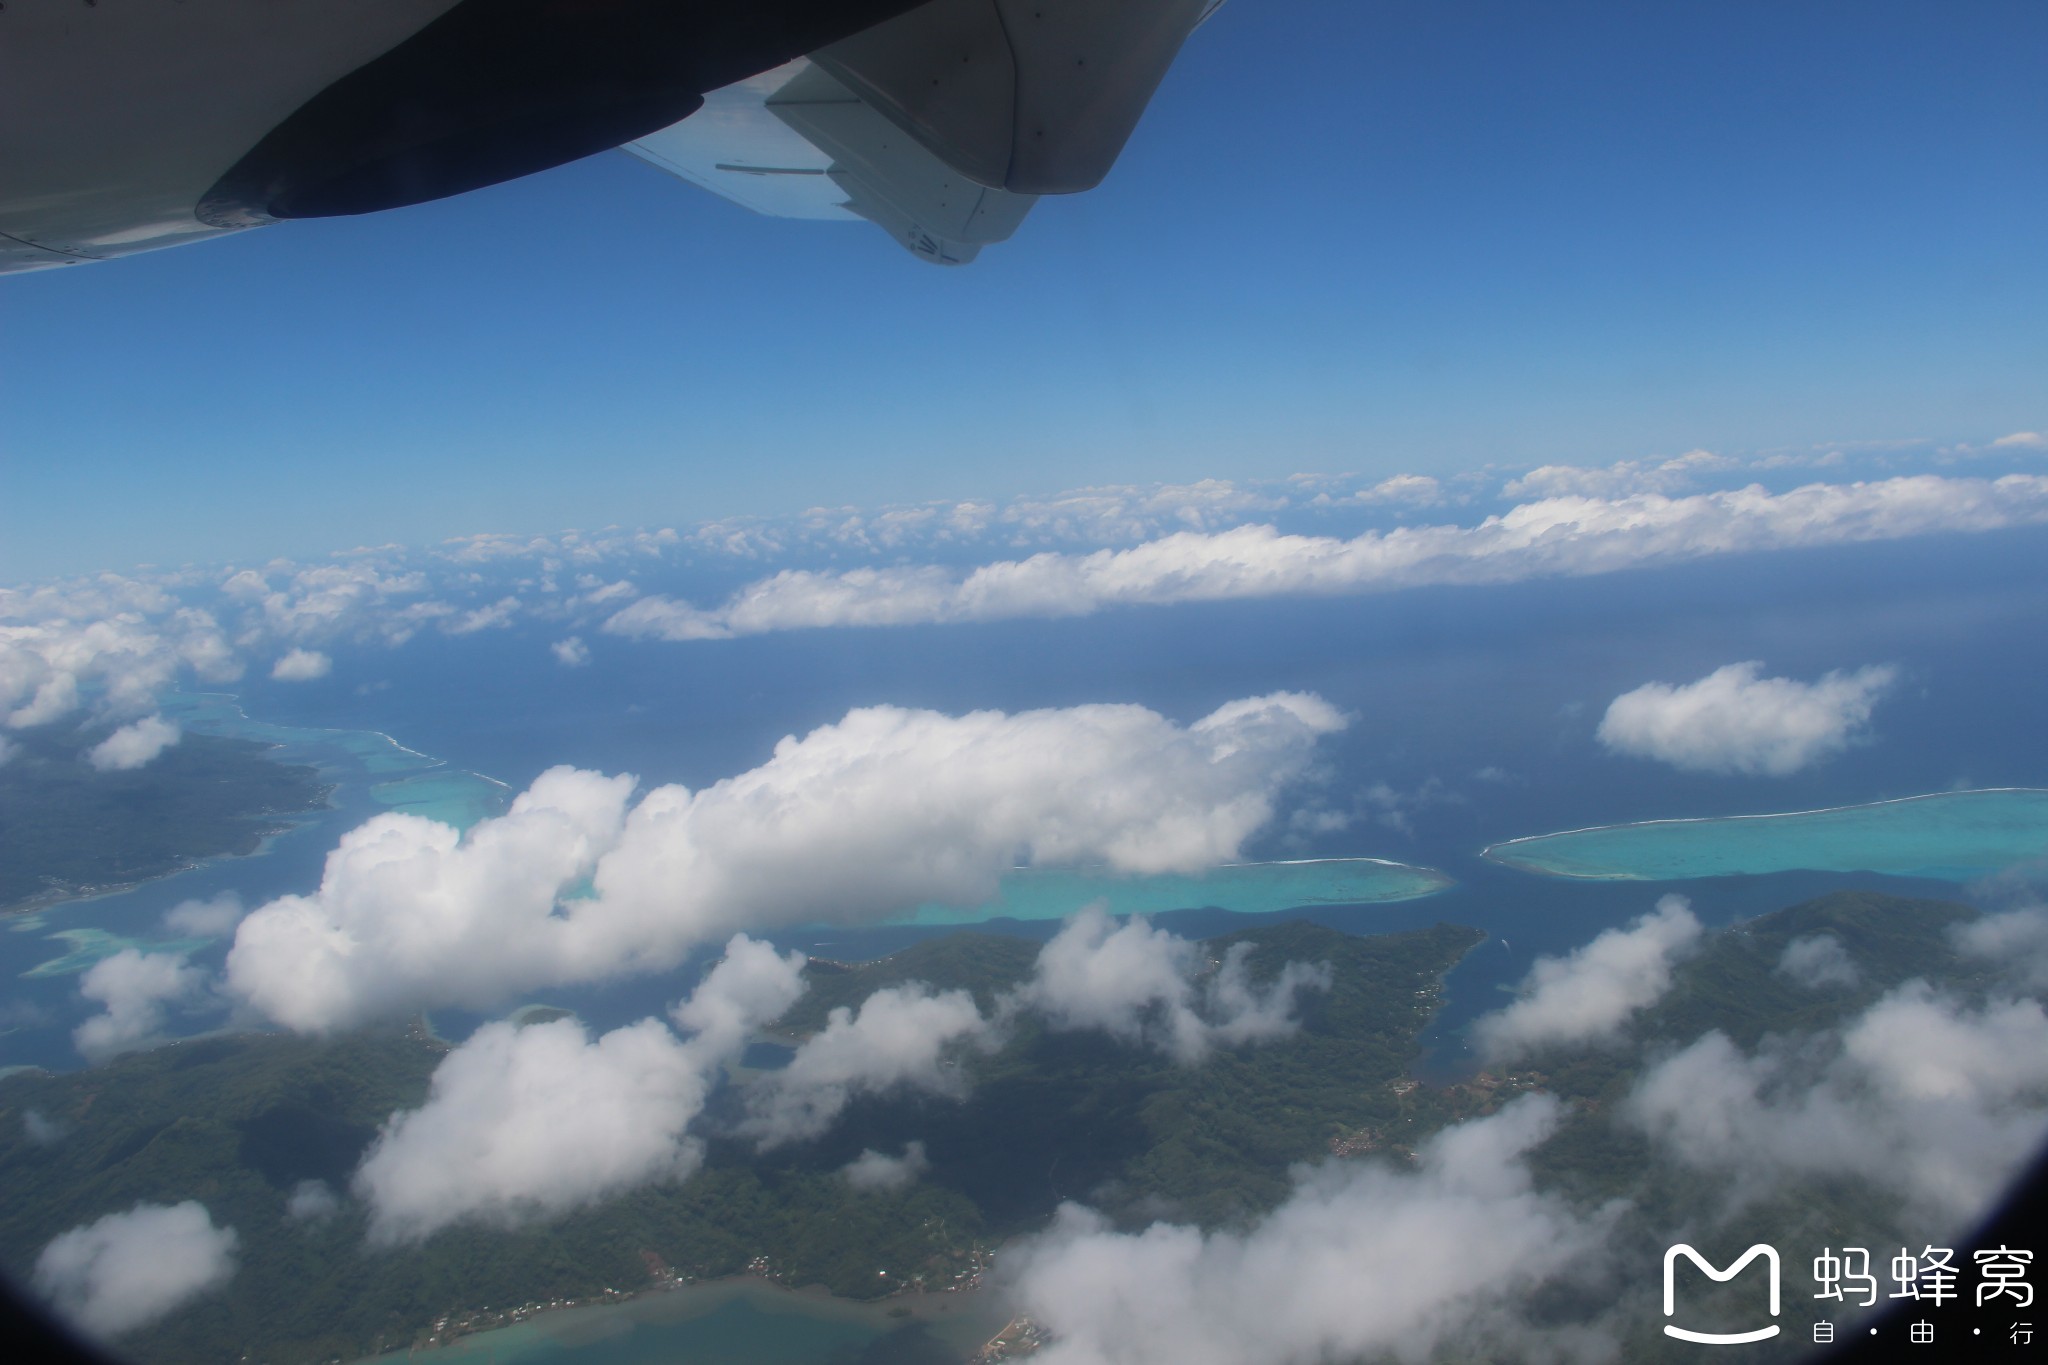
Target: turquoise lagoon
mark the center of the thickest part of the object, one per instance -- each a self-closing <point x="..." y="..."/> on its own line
<point x="729" y="1322"/>
<point x="1248" y="888"/>
<point x="1947" y="836"/>
<point x="370" y="772"/>
<point x="398" y="778"/>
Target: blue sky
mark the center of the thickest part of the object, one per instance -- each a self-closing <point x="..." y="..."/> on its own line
<point x="1372" y="238"/>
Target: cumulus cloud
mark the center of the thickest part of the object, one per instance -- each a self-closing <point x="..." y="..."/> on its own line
<point x="750" y="985"/>
<point x="903" y="1038"/>
<point x="1736" y="721"/>
<point x="525" y="1123"/>
<point x="117" y="639"/>
<point x="129" y="1269"/>
<point x="1588" y="994"/>
<point x="2021" y="440"/>
<point x="1818" y="961"/>
<point x="571" y="653"/>
<point x="873" y="1170"/>
<point x="211" y="917"/>
<point x="134" y="745"/>
<point x="1948" y="1100"/>
<point x="302" y="665"/>
<point x="1568" y="534"/>
<point x="886" y="810"/>
<point x="1138" y="983"/>
<point x="1362" y="1260"/>
<point x="135" y="987"/>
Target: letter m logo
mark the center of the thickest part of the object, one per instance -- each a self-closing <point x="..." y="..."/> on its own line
<point x="1671" y="1255"/>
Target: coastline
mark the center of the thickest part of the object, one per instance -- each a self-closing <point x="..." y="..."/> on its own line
<point x="1488" y="851"/>
<point x="85" y="895"/>
<point x="1031" y="893"/>
<point x="1517" y="853"/>
<point x="489" y="1337"/>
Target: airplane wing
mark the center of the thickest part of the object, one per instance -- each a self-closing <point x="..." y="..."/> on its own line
<point x="943" y="125"/>
<point x="124" y="128"/>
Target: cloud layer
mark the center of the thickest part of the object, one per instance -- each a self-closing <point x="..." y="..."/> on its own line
<point x="1736" y="721"/>
<point x="1566" y="535"/>
<point x="885" y="810"/>
<point x="129" y="1269"/>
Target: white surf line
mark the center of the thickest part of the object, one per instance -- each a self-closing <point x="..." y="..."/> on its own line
<point x="235" y="702"/>
<point x="1487" y="852"/>
<point x="1221" y="867"/>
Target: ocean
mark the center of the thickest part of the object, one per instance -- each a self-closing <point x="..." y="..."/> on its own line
<point x="1472" y="711"/>
<point x="1473" y="717"/>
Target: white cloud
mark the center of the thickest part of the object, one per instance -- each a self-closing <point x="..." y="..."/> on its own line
<point x="1588" y="994"/>
<point x="1945" y="1100"/>
<point x="525" y="1123"/>
<point x="135" y="987"/>
<point x="59" y="643"/>
<point x="1135" y="982"/>
<point x="39" y="1128"/>
<point x="8" y="749"/>
<point x="1555" y="536"/>
<point x="749" y="986"/>
<point x="873" y="1170"/>
<point x="1735" y="721"/>
<point x="129" y="1269"/>
<point x="134" y="745"/>
<point x="53" y="697"/>
<point x="1408" y="490"/>
<point x="1138" y="983"/>
<point x="903" y="1037"/>
<point x="886" y="810"/>
<point x="1818" y="961"/>
<point x="311" y="1201"/>
<point x="2015" y="942"/>
<point x="1622" y="479"/>
<point x="2021" y="440"/>
<point x="528" y="1123"/>
<point x="302" y="665"/>
<point x="494" y="616"/>
<point x="1361" y="1261"/>
<point x="571" y="653"/>
<point x="210" y="918"/>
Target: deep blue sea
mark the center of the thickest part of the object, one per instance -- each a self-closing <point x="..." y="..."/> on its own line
<point x="1473" y="710"/>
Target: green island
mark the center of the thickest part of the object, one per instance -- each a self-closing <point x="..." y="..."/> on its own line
<point x="1733" y="984"/>
<point x="71" y="831"/>
<point x="237" y="1122"/>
